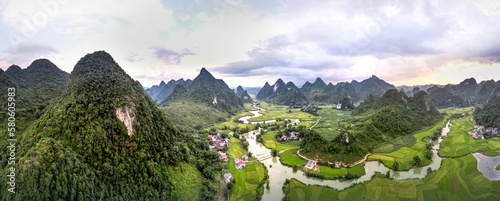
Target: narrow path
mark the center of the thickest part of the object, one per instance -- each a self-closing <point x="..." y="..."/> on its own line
<point x="288" y="149"/>
<point x="315" y="124"/>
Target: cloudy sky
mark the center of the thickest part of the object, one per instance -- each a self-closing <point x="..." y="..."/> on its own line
<point x="250" y="42"/>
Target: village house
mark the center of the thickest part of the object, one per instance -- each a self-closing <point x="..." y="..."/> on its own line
<point x="245" y="157"/>
<point x="310" y="164"/>
<point x="228" y="177"/>
<point x="218" y="142"/>
<point x="479" y="131"/>
<point x="239" y="164"/>
<point x="223" y="156"/>
<point x="293" y="136"/>
<point x="346" y="136"/>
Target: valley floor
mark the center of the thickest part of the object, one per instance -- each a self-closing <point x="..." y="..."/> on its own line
<point x="458" y="178"/>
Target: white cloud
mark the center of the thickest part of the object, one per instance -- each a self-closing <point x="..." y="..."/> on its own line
<point x="250" y="42"/>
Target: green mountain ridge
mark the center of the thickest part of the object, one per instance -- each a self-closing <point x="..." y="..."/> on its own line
<point x="282" y="94"/>
<point x="104" y="138"/>
<point x="489" y="114"/>
<point x="208" y="90"/>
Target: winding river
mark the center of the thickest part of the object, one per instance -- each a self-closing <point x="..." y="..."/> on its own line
<point x="278" y="173"/>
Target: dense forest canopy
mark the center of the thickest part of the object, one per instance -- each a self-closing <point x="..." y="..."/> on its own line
<point x="80" y="150"/>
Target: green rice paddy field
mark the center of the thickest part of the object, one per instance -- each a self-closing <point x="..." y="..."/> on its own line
<point x="271" y="142"/>
<point x="247" y="181"/>
<point x="291" y="158"/>
<point x="282" y="112"/>
<point x="404" y="155"/>
<point x="457" y="179"/>
<point x="335" y="173"/>
<point x="328" y="126"/>
<point x="458" y="142"/>
<point x="235" y="149"/>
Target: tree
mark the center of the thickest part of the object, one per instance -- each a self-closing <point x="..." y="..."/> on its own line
<point x="428" y="154"/>
<point x="416" y="160"/>
<point x="230" y="184"/>
<point x="395" y="165"/>
<point x="274" y="152"/>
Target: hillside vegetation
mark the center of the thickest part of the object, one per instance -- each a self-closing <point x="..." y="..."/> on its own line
<point x="104" y="138"/>
<point x="374" y="121"/>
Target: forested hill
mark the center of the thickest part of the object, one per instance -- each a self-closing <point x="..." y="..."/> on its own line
<point x="207" y="90"/>
<point x="37" y="84"/>
<point x="393" y="114"/>
<point x="489" y="115"/>
<point x="282" y="94"/>
<point x="103" y="139"/>
<point x="471" y="92"/>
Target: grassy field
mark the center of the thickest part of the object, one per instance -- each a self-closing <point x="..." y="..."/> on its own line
<point x="328" y="126"/>
<point x="189" y="115"/>
<point x="249" y="107"/>
<point x="333" y="173"/>
<point x="278" y="123"/>
<point x="187" y="179"/>
<point x="271" y="142"/>
<point x="458" y="142"/>
<point x="235" y="149"/>
<point x="247" y="181"/>
<point x="230" y="125"/>
<point x="457" y="179"/>
<point x="291" y="158"/>
<point x="404" y="155"/>
<point x="498" y="167"/>
<point x="282" y="112"/>
<point x="456" y="110"/>
<point x="300" y="191"/>
<point x="306" y="124"/>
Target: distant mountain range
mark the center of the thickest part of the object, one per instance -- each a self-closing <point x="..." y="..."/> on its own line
<point x="282" y="94"/>
<point x="320" y="92"/>
<point x="467" y="92"/>
<point x="162" y="91"/>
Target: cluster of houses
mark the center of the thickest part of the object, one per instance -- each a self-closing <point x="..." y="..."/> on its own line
<point x="240" y="163"/>
<point x="293" y="136"/>
<point x="218" y="142"/>
<point x="478" y="130"/>
<point x="223" y="156"/>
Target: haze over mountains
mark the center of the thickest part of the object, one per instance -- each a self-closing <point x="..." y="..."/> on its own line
<point x="319" y="92"/>
<point x="160" y="92"/>
<point x="466" y="93"/>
